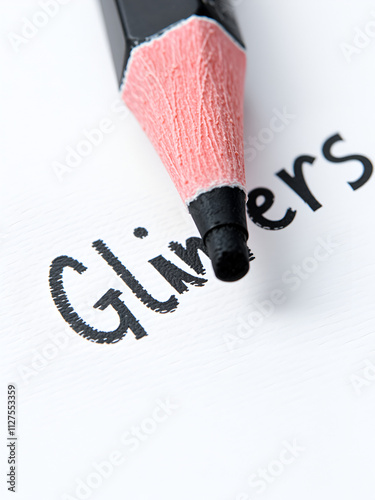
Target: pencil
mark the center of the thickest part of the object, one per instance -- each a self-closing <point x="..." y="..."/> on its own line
<point x="181" y="68"/>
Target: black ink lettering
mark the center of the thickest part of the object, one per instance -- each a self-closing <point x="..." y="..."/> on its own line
<point x="298" y="183"/>
<point x="190" y="254"/>
<point x="174" y="275"/>
<point x="251" y="256"/>
<point x="140" y="232"/>
<point x="162" y="307"/>
<point x="111" y="298"/>
<point x="127" y="320"/>
<point x="367" y="165"/>
<point x="256" y="211"/>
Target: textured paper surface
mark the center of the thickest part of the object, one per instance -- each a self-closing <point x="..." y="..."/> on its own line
<point x="227" y="398"/>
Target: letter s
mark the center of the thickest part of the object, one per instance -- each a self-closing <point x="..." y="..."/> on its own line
<point x="367" y="165"/>
<point x="130" y="442"/>
<point x="256" y="482"/>
<point x="290" y="279"/>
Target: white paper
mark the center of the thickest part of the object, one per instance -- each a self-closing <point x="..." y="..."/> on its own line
<point x="232" y="396"/>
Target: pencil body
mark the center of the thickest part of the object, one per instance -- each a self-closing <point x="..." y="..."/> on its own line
<point x="183" y="67"/>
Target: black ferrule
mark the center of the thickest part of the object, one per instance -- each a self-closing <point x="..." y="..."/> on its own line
<point x="222" y="206"/>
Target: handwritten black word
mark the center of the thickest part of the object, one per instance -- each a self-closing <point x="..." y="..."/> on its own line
<point x="176" y="277"/>
<point x="298" y="184"/>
